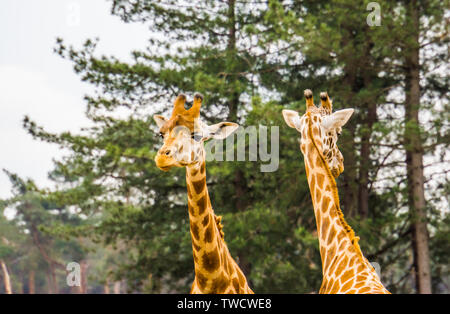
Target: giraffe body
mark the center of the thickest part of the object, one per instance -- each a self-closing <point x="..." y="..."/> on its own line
<point x="184" y="134"/>
<point x="344" y="267"/>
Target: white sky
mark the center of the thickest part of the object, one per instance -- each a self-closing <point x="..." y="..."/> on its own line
<point x="36" y="82"/>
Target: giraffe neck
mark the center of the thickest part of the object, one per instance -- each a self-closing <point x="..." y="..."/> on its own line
<point x="215" y="270"/>
<point x="344" y="267"/>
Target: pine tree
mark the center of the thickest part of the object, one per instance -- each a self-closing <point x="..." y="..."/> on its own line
<point x="417" y="37"/>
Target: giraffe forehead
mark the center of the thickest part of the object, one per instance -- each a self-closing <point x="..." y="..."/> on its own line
<point x="312" y="118"/>
<point x="314" y="115"/>
<point x="177" y="121"/>
<point x="186" y="147"/>
<point x="173" y="139"/>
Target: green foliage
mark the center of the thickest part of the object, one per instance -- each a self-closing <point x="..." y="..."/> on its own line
<point x="24" y="244"/>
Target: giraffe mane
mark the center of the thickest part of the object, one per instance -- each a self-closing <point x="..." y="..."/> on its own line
<point x="350" y="232"/>
<point x="218" y="220"/>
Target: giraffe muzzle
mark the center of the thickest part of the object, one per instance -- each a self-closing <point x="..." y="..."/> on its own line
<point x="164" y="161"/>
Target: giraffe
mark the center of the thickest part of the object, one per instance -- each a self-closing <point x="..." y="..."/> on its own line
<point x="184" y="134"/>
<point x="344" y="267"/>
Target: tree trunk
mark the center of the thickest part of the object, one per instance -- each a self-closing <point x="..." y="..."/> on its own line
<point x="31" y="282"/>
<point x="349" y="186"/>
<point x="363" y="189"/>
<point x="240" y="185"/>
<point x="359" y="74"/>
<point x="363" y="186"/>
<point x="6" y="278"/>
<point x="117" y="287"/>
<point x="52" y="279"/>
<point x="106" y="288"/>
<point x="83" y="269"/>
<point x="414" y="156"/>
<point x="49" y="282"/>
<point x="233" y="102"/>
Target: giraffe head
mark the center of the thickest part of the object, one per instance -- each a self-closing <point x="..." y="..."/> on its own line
<point x="184" y="134"/>
<point x="323" y="126"/>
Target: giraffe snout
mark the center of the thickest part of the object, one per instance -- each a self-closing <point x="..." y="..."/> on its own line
<point x="165" y="158"/>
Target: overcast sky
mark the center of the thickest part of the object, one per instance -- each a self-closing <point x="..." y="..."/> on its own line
<point x="36" y="82"/>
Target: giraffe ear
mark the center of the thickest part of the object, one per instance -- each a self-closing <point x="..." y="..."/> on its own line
<point x="291" y="118"/>
<point x="220" y="130"/>
<point x="337" y="119"/>
<point x="160" y="120"/>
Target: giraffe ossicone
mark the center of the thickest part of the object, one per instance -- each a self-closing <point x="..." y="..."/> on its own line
<point x="184" y="135"/>
<point x="344" y="267"/>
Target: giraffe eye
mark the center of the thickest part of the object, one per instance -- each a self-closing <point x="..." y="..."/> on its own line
<point x="196" y="137"/>
<point x="161" y="134"/>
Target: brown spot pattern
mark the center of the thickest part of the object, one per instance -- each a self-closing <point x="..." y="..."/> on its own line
<point x="331" y="235"/>
<point x="340" y="236"/>
<point x="236" y="284"/>
<point x="318" y="195"/>
<point x="191" y="209"/>
<point x="347" y="286"/>
<point x="330" y="253"/>
<point x="205" y="221"/>
<point x="209" y="234"/>
<point x="220" y="284"/>
<point x="335" y="287"/>
<point x="325" y="204"/>
<point x="313" y="183"/>
<point x="320" y="178"/>
<point x="194" y="231"/>
<point x="199" y="185"/>
<point x="210" y="261"/>
<point x="202" y="168"/>
<point x="364" y="290"/>
<point x="201" y="203"/>
<point x="201" y="280"/>
<point x="359" y="285"/>
<point x="347" y="275"/>
<point x="196" y="247"/>
<point x="315" y="131"/>
<point x="333" y="264"/>
<point x="341" y="266"/>
<point x="324" y="227"/>
<point x="189" y="191"/>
